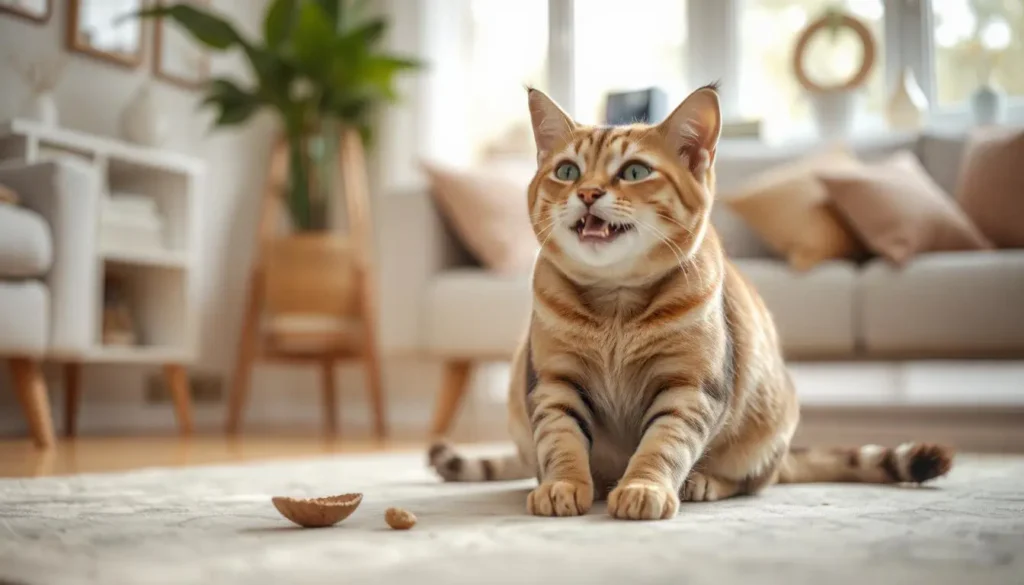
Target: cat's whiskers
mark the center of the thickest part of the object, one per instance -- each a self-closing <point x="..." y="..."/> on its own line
<point x="669" y="219"/>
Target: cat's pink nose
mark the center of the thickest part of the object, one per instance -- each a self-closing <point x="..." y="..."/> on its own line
<point x="590" y="194"/>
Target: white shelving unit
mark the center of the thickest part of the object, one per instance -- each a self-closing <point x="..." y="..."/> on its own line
<point x="159" y="280"/>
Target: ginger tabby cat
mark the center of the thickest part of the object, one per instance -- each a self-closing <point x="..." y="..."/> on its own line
<point x="651" y="371"/>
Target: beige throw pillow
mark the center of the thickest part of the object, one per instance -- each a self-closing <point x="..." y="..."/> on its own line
<point x="991" y="185"/>
<point x="788" y="207"/>
<point x="899" y="211"/>
<point x="488" y="211"/>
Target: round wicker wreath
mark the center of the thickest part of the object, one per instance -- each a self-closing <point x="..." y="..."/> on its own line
<point x="834" y="21"/>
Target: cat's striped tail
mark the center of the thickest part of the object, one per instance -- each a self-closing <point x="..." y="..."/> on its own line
<point x="908" y="463"/>
<point x="452" y="466"/>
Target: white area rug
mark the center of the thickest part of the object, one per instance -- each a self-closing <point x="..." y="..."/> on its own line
<point x="215" y="525"/>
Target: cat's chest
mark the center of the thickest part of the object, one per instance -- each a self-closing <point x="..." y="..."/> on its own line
<point x="616" y="375"/>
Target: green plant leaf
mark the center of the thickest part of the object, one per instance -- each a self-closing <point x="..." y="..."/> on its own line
<point x="277" y="25"/>
<point x="312" y="39"/>
<point x="206" y="27"/>
<point x="333" y="10"/>
<point x="274" y="74"/>
<point x="234" y="104"/>
<point x="368" y="33"/>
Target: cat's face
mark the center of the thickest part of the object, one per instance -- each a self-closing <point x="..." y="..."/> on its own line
<point x="610" y="199"/>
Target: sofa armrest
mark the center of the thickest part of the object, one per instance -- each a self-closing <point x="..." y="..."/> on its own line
<point x="66" y="194"/>
<point x="413" y="244"/>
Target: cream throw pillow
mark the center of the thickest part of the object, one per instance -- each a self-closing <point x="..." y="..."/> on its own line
<point x="900" y="211"/>
<point x="788" y="207"/>
<point x="488" y="211"/>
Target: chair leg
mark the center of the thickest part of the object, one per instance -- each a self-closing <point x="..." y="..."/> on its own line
<point x="453" y="389"/>
<point x="72" y="389"/>
<point x="30" y="387"/>
<point x="177" y="382"/>
<point x="247" y="346"/>
<point x="330" y="397"/>
<point x="371" y="363"/>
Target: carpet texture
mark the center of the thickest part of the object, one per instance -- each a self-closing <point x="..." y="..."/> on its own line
<point x="216" y="525"/>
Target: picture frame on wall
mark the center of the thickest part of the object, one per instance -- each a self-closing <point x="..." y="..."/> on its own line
<point x="34" y="10"/>
<point x="178" y="59"/>
<point x="97" y="28"/>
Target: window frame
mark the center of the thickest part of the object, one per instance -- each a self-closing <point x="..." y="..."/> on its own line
<point x="714" y="26"/>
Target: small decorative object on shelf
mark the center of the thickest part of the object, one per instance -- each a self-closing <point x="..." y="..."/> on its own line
<point x="41" y="77"/>
<point x="908" y="106"/>
<point x="835" y="105"/>
<point x="142" y="121"/>
<point x="118" y="322"/>
<point x="131" y="222"/>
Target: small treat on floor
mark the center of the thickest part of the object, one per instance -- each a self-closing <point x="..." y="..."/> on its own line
<point x="318" y="512"/>
<point x="399" y="519"/>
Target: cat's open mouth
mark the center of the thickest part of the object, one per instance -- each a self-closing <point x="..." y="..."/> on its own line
<point x="591" y="228"/>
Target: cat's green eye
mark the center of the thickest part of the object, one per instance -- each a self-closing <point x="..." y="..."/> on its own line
<point x="635" y="172"/>
<point x="567" y="171"/>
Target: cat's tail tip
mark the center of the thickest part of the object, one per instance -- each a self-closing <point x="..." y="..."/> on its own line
<point x="451" y="465"/>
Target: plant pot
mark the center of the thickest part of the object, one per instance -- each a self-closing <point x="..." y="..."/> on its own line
<point x="311" y="274"/>
<point x="835" y="112"/>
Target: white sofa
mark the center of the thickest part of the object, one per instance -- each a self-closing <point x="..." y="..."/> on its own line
<point x="44" y="260"/>
<point x="438" y="302"/>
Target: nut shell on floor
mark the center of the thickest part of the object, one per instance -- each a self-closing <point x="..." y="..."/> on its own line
<point x="399" y="519"/>
<point x="317" y="512"/>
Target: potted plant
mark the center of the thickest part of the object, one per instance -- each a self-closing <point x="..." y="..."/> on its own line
<point x="319" y="68"/>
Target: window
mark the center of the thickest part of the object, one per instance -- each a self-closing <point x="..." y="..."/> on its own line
<point x="617" y="48"/>
<point x="768" y="34"/>
<point x="509" y="48"/>
<point x="602" y="46"/>
<point x="976" y="41"/>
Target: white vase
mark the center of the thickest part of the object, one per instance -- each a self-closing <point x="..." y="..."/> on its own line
<point x="908" y="106"/>
<point x="42" y="107"/>
<point x="835" y="112"/>
<point x="988" y="105"/>
<point x="142" y="121"/>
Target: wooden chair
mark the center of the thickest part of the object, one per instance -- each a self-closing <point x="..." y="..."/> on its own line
<point x="265" y="339"/>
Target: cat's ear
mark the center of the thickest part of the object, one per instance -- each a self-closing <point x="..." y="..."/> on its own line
<point x="693" y="128"/>
<point x="552" y="127"/>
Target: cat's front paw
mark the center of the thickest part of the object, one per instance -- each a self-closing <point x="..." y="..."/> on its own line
<point x="699" y="488"/>
<point x="560" y="498"/>
<point x="643" y="501"/>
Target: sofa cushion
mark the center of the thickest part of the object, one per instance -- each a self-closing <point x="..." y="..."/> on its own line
<point x="24" y="313"/>
<point x="899" y="211"/>
<point x="788" y="207"/>
<point x="955" y="304"/>
<point x="814" y="311"/>
<point x="26" y="249"/>
<point x="737" y="238"/>
<point x="991" y="187"/>
<point x="489" y="212"/>
<point x="473" y="312"/>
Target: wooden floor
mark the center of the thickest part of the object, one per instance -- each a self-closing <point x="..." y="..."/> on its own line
<point x="19" y="458"/>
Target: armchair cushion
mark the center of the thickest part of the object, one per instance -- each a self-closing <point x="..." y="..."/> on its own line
<point x="26" y="247"/>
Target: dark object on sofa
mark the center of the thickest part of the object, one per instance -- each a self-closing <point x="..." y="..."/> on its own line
<point x="645" y="105"/>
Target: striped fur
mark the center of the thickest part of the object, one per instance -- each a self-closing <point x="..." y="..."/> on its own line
<point x="650" y="372"/>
